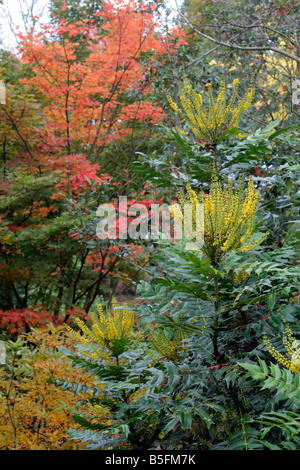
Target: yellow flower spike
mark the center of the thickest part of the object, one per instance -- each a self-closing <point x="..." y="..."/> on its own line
<point x="241" y="277"/>
<point x="127" y="321"/>
<point x="111" y="330"/>
<point x="166" y="348"/>
<point x="105" y="328"/>
<point x="101" y="315"/>
<point x="291" y="360"/>
<point x="210" y="124"/>
<point x="229" y="215"/>
<point x="76" y="335"/>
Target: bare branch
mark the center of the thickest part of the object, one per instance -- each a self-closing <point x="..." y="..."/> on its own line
<point x="239" y="47"/>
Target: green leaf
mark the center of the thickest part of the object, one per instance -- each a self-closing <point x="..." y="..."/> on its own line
<point x="169" y="334"/>
<point x="205" y="416"/>
<point x="271" y="301"/>
<point x="84" y="423"/>
<point x="280" y="131"/>
<point x="271" y="126"/>
<point x="186" y="419"/>
<point x="173" y="375"/>
<point x="276" y="371"/>
<point x="254" y="370"/>
<point x="171" y="425"/>
<point x="190" y="287"/>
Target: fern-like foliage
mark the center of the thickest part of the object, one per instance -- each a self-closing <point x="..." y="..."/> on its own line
<point x="283" y="423"/>
<point x="285" y="383"/>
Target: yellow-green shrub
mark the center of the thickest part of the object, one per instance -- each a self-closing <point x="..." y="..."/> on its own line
<point x="33" y="411"/>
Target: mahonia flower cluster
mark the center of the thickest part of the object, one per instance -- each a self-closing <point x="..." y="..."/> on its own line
<point x="292" y="346"/>
<point x="106" y="326"/>
<point x="210" y="125"/>
<point x="229" y="215"/>
<point x="193" y="221"/>
<point x="240" y="277"/>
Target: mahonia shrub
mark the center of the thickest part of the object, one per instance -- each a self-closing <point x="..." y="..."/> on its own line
<point x="210" y="124"/>
<point x="34" y="413"/>
<point x="118" y="412"/>
<point x="179" y="385"/>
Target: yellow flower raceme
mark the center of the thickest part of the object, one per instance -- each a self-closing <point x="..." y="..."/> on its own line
<point x="165" y="347"/>
<point x="210" y="124"/>
<point x="291" y="360"/>
<point x="228" y="217"/>
<point x="106" y="326"/>
<point x="240" y="277"/>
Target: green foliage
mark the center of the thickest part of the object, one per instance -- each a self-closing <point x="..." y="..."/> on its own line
<point x="279" y="428"/>
<point x="196" y="393"/>
<point x="194" y="372"/>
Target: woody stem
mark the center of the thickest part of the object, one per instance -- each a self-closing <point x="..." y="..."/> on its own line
<point x="215" y="155"/>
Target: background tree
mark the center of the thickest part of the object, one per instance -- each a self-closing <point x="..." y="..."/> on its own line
<point x="252" y="39"/>
<point x="65" y="107"/>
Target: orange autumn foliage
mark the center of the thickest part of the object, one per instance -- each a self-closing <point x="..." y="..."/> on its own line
<point x="89" y="100"/>
<point x="19" y="320"/>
